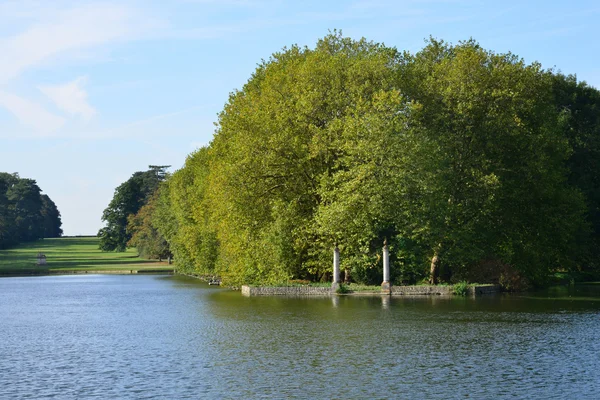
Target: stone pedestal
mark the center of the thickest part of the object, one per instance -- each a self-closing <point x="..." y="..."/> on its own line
<point x="386" y="288"/>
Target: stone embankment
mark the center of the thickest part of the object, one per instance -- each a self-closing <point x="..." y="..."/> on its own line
<point x="285" y="291"/>
<point x="426" y="290"/>
<point x="421" y="290"/>
<point x="484" y="289"/>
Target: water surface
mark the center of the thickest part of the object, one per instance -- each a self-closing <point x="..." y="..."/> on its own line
<point x="145" y="337"/>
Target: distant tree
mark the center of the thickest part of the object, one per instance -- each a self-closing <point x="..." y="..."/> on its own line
<point x="8" y="235"/>
<point x="148" y="241"/>
<point x="25" y="213"/>
<point x="159" y="171"/>
<point x="183" y="216"/>
<point x="129" y="197"/>
<point x="52" y="220"/>
<point x="26" y="204"/>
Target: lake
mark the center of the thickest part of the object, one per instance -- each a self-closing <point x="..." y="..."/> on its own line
<point x="165" y="337"/>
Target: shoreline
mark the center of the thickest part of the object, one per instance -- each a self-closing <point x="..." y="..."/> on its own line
<point x="283" y="291"/>
<point x="414" y="290"/>
<point x="132" y="271"/>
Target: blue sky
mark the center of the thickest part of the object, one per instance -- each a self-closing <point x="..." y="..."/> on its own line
<point x="92" y="91"/>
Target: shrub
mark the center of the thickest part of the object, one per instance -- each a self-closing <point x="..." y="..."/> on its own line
<point x="461" y="288"/>
<point x="342" y="289"/>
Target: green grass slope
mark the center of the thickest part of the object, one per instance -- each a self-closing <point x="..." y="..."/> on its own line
<point x="71" y="254"/>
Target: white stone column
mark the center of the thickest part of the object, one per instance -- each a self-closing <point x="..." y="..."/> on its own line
<point x="336" y="268"/>
<point x="385" y="286"/>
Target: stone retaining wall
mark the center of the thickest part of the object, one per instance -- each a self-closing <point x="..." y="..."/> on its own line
<point x="484" y="289"/>
<point x="422" y="290"/>
<point x="426" y="290"/>
<point x="286" y="291"/>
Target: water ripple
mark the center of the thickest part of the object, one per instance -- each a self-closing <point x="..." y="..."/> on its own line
<point x="145" y="337"/>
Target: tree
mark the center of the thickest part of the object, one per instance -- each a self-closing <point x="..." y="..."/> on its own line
<point x="277" y="145"/>
<point x="129" y="197"/>
<point x="52" y="221"/>
<point x="483" y="172"/>
<point x="579" y="107"/>
<point x="8" y="235"/>
<point x="144" y="236"/>
<point x="26" y="204"/>
<point x="456" y="155"/>
<point x="183" y="218"/>
<point x="25" y="213"/>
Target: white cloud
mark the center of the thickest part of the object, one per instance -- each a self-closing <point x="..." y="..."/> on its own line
<point x="67" y="31"/>
<point x="55" y="34"/>
<point x="31" y="114"/>
<point x="71" y="97"/>
<point x="118" y="131"/>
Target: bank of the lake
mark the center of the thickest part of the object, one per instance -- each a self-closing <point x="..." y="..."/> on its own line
<point x="362" y="290"/>
<point x="74" y="255"/>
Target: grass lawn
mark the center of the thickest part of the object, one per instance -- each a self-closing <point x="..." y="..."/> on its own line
<point x="71" y="254"/>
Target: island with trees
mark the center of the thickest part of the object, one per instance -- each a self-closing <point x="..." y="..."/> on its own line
<point x="473" y="165"/>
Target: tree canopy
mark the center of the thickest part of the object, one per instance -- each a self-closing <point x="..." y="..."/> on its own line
<point x="461" y="157"/>
<point x="25" y="213"/>
<point x="128" y="199"/>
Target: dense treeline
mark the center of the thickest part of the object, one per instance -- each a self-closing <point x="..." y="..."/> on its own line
<point x="25" y="213"/>
<point x="127" y="214"/>
<point x="473" y="165"/>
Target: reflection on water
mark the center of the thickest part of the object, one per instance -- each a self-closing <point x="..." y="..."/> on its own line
<point x="385" y="302"/>
<point x="171" y="337"/>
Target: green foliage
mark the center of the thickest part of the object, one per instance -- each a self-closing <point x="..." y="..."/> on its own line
<point x="484" y="173"/>
<point x="579" y="107"/>
<point x="454" y="153"/>
<point x="409" y="261"/>
<point x="342" y="289"/>
<point x="461" y="288"/>
<point x="181" y="217"/>
<point x="144" y="236"/>
<point x="278" y="145"/>
<point x="129" y="197"/>
<point x="25" y="213"/>
<point x="52" y="221"/>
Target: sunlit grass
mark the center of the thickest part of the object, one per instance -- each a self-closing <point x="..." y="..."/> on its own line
<point x="70" y="254"/>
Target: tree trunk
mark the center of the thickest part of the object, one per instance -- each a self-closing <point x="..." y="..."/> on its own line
<point x="346" y="276"/>
<point x="434" y="270"/>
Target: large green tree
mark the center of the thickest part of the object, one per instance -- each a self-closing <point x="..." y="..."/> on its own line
<point x="26" y="204"/>
<point x="8" y="234"/>
<point x="25" y="213"/>
<point x="52" y="220"/>
<point x="129" y="197"/>
<point x="183" y="218"/>
<point x="278" y="143"/>
<point x="484" y="173"/>
<point x="458" y="156"/>
<point x="579" y="107"/>
<point x="148" y="241"/>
